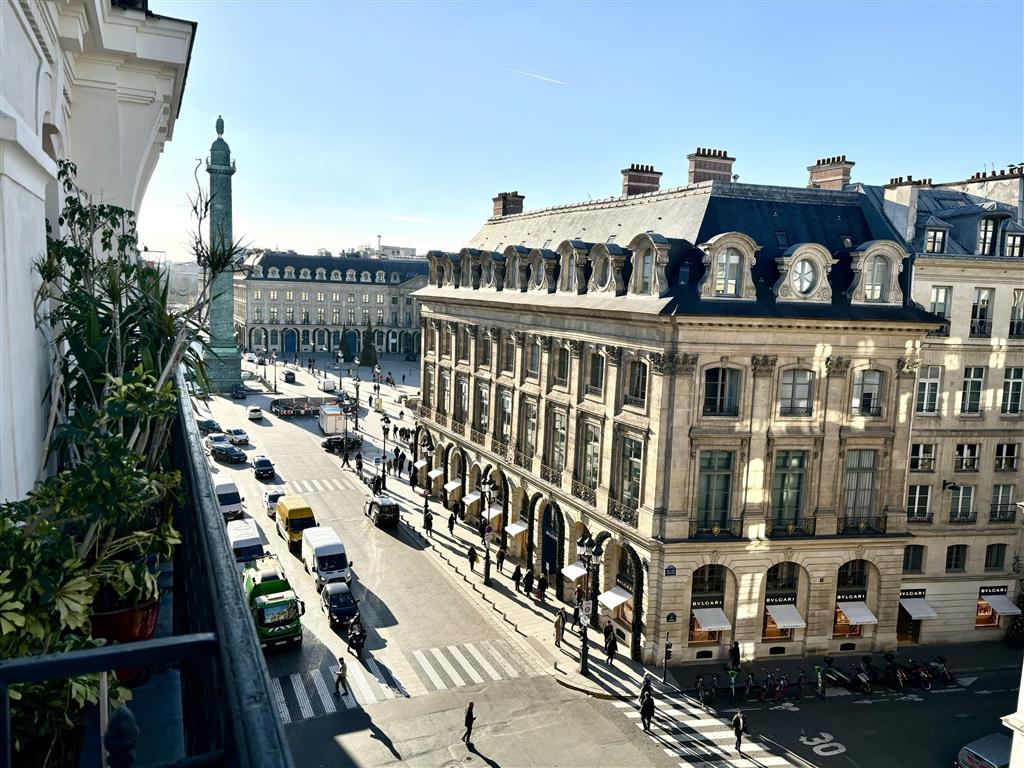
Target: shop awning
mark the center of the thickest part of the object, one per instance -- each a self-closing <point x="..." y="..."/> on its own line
<point x="435" y="473"/>
<point x="453" y="485"/>
<point x="1002" y="605"/>
<point x="711" y="619"/>
<point x="420" y="464"/>
<point x="470" y="498"/>
<point x="786" y="616"/>
<point x="918" y="608"/>
<point x="575" y="571"/>
<point x="857" y="612"/>
<point x="516" y="528"/>
<point x="494" y="511"/>
<point x="613" y="598"/>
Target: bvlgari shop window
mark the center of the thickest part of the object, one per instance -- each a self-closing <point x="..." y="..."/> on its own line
<point x="707" y="619"/>
<point x="993" y="604"/>
<point x="625" y="578"/>
<point x="781" y="617"/>
<point x="851" y="611"/>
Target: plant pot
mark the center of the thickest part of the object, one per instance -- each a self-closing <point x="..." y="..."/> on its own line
<point x="127" y="625"/>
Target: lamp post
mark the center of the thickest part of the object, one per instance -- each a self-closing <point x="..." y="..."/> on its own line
<point x="355" y="381"/>
<point x="385" y="422"/>
<point x="486" y="487"/>
<point x="588" y="553"/>
<point x="429" y="453"/>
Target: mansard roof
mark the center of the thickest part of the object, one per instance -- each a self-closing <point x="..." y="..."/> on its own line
<point x="406" y="268"/>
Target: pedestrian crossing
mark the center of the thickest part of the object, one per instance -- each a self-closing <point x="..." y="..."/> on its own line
<point x="323" y="485"/>
<point x="687" y="731"/>
<point x="304" y="695"/>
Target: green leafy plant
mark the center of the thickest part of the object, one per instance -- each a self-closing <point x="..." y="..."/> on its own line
<point x="368" y="354"/>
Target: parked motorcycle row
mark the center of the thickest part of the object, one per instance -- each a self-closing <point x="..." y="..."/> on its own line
<point x="863" y="677"/>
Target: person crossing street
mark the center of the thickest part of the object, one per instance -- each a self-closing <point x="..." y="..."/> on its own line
<point x="470" y="719"/>
<point x="739" y="727"/>
<point x="341" y="677"/>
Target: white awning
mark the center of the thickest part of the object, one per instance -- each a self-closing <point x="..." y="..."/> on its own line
<point x="452" y="485"/>
<point x="613" y="598"/>
<point x="470" y="498"/>
<point x="857" y="612"/>
<point x="516" y="528"/>
<point x="420" y="464"/>
<point x="711" y="619"/>
<point x="494" y="511"/>
<point x="1002" y="605"/>
<point x="575" y="571"/>
<point x="435" y="473"/>
<point x="786" y="616"/>
<point x="918" y="608"/>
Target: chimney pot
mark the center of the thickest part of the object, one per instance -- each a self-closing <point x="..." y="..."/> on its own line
<point x="832" y="172"/>
<point x="639" y="179"/>
<point x="708" y="164"/>
<point x="508" y="204"/>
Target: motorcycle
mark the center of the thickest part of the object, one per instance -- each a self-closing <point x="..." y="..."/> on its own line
<point x="875" y="674"/>
<point x="357" y="638"/>
<point x="858" y="681"/>
<point x="937" y="668"/>
<point x="918" y="674"/>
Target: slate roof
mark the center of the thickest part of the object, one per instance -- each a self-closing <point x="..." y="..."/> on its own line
<point x="407" y="268"/>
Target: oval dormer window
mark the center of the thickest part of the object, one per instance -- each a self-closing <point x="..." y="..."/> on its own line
<point x="805" y="276"/>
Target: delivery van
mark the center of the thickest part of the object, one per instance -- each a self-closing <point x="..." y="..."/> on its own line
<point x="230" y="501"/>
<point x="294" y="516"/>
<point x="244" y="538"/>
<point x="323" y="555"/>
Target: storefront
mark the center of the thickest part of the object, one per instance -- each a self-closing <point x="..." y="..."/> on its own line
<point x="619" y="599"/>
<point x="852" y="614"/>
<point x="782" y="620"/>
<point x="516" y="544"/>
<point x="453" y="491"/>
<point x="708" y="622"/>
<point x="914" y="609"/>
<point x="993" y="604"/>
<point x="434" y="479"/>
<point x="471" y="505"/>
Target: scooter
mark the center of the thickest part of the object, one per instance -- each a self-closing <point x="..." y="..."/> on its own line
<point x="834" y="675"/>
<point x="875" y="674"/>
<point x="917" y="674"/>
<point x="937" y="668"/>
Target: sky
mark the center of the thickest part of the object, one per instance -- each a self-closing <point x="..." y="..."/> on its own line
<point x="350" y="120"/>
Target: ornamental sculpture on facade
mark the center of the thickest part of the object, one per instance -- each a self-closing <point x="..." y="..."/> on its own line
<point x="764" y="365"/>
<point x="837" y="366"/>
<point x="576" y="347"/>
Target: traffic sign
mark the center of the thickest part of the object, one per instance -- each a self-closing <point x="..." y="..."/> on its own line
<point x="585" y="609"/>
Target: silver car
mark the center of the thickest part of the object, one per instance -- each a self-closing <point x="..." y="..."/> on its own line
<point x="992" y="751"/>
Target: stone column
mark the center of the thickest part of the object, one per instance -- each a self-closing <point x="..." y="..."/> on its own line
<point x="835" y="406"/>
<point x="759" y="452"/>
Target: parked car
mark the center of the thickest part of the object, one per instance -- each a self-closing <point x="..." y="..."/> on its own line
<point x="237" y="436"/>
<point x="245" y="541"/>
<point x="992" y="751"/>
<point x="382" y="509"/>
<point x="338" y="602"/>
<point x="230" y="501"/>
<point x="208" y="425"/>
<point x="250" y="357"/>
<point x="215" y="438"/>
<point x="289" y="377"/>
<point x="255" y="413"/>
<point x="270" y="499"/>
<point x="228" y="453"/>
<point x="262" y="467"/>
<point x="338" y="443"/>
<point x="326" y="384"/>
<point x="239" y="392"/>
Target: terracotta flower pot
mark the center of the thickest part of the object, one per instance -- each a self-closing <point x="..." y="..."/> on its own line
<point x="127" y="625"/>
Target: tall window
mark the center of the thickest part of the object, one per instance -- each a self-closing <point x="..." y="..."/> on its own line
<point x="986" y="236"/>
<point x="462" y="343"/>
<point x="289" y="295"/>
<point x="336" y="315"/>
<point x="995" y="557"/>
<point x="859" y="484"/>
<point x="446" y="341"/>
<point x="942" y="296"/>
<point x="508" y="356"/>
<point x="956" y="558"/>
<point x="918" y="502"/>
<point x="528" y="431"/>
<point x="366" y="298"/>
<point x="366" y="321"/>
<point x="320" y="296"/>
<point x="631" y="469"/>
<point x="350" y="318"/>
<point x="556" y="452"/>
<point x="721" y="392"/>
<point x="595" y="373"/>
<point x="935" y="241"/>
<point x="562" y="366"/>
<point x="289" y="314"/>
<point x="483" y="408"/>
<point x="505" y="417"/>
<point x="714" y="493"/>
<point x="428" y="386"/>
<point x="928" y="381"/>
<point x="797" y="391"/>
<point x="867" y="393"/>
<point x="646" y="264"/>
<point x="877" y="286"/>
<point x="1002" y="498"/>
<point x="461" y="398"/>
<point x="350" y="298"/>
<point x="305" y="315"/>
<point x="305" y="295"/>
<point x="1006" y="457"/>
<point x="442" y="393"/>
<point x="485" y="347"/>
<point x="636" y="383"/>
<point x="709" y="586"/>
<point x="961" y="506"/>
<point x="320" y="315"/>
<point x="273" y="314"/>
<point x="922" y="457"/>
<point x="257" y="294"/>
<point x="1013" y="382"/>
<point x="1014" y="246"/>
<point x="727" y="272"/>
<point x="335" y="296"/>
<point x="853" y="574"/>
<point x="273" y="295"/>
<point x="1017" y="314"/>
<point x="913" y="558"/>
<point x="533" y="359"/>
<point x="970" y="394"/>
<point x="591" y="455"/>
<point x="788" y="487"/>
<point x="966" y="459"/>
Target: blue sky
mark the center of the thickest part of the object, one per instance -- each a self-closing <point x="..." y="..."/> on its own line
<point x="349" y="120"/>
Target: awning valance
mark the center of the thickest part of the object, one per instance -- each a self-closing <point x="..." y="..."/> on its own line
<point x="918" y="608"/>
<point x="786" y="616"/>
<point x="435" y="473"/>
<point x="711" y="619"/>
<point x="857" y="612"/>
<point x="575" y="571"/>
<point x="494" y="511"/>
<point x="420" y="464"/>
<point x="1002" y="605"/>
<point x="613" y="598"/>
<point x="516" y="528"/>
<point x="453" y="485"/>
<point x="471" y="497"/>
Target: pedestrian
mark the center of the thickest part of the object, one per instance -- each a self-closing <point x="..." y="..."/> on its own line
<point x="344" y="459"/>
<point x="611" y="647"/>
<point x="386" y="430"/>
<point x="482" y="527"/>
<point x="378" y="485"/>
<point x="517" y="576"/>
<point x="645" y="687"/>
<point x="528" y="581"/>
<point x="451" y="522"/>
<point x="647" y="710"/>
<point x="739" y="727"/>
<point x="400" y="415"/>
<point x="608" y="630"/>
<point x="501" y="557"/>
<point x="359" y="465"/>
<point x="369" y="401"/>
<point x="559" y="627"/>
<point x="734" y="656"/>
<point x="341" y="677"/>
<point x="403" y="378"/>
<point x="472" y="558"/>
<point x="542" y="587"/>
<point x="470" y="718"/>
<point x="575" y="616"/>
<point x="579" y="594"/>
<point x="428" y="524"/>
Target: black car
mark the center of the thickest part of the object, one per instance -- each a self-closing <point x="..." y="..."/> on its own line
<point x="206" y="426"/>
<point x="289" y="377"/>
<point x="383" y="510"/>
<point x="339" y="443"/>
<point x="338" y="602"/>
<point x="238" y="392"/>
<point x="262" y="467"/>
<point x="228" y="453"/>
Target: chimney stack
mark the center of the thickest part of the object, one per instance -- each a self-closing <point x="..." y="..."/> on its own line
<point x="508" y="204"/>
<point x="830" y="173"/>
<point x="638" y="179"/>
<point x="709" y="165"/>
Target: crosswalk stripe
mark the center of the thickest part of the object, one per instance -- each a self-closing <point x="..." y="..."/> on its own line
<point x="475" y="652"/>
<point x="316" y="484"/>
<point x="282" y="705"/>
<point x="322" y="691"/>
<point x="447" y="667"/>
<point x="508" y="668"/>
<point x="690" y="720"/>
<point x="769" y="761"/>
<point x="466" y="666"/>
<point x="697" y="737"/>
<point x="439" y="684"/>
<point x="300" y="693"/>
<point x="335" y="484"/>
<point x="356" y="674"/>
<point x="379" y="677"/>
<point x="297" y="486"/>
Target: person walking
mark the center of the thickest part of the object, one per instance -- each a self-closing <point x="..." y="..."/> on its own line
<point x="387" y="429"/>
<point x="542" y="587"/>
<point x="645" y="687"/>
<point x="403" y="378"/>
<point x="647" y="710"/>
<point x="482" y="528"/>
<point x="359" y="465"/>
<point x="470" y="719"/>
<point x="412" y="480"/>
<point x="451" y="524"/>
<point x="734" y="656"/>
<point x="471" y="555"/>
<point x="517" y="576"/>
<point x="575" y="616"/>
<point x="559" y="627"/>
<point x="344" y="459"/>
<point x="428" y="524"/>
<point x="341" y="677"/>
<point x="608" y="631"/>
<point x="739" y="727"/>
<point x="611" y="648"/>
<point x="528" y="581"/>
<point x="501" y="557"/>
<point x="579" y="594"/>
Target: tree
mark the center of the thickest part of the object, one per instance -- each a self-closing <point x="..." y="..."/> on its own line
<point x="368" y="354"/>
<point x="346" y="352"/>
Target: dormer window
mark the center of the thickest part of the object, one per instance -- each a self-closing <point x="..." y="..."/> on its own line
<point x="935" y="241"/>
<point x="289" y="273"/>
<point x="273" y="272"/>
<point x="257" y="271"/>
<point x="1014" y="246"/>
<point x="877" y="283"/>
<point x="986" y="236"/>
<point x="602" y="272"/>
<point x="876" y="266"/>
<point x="304" y="274"/>
<point x="364" y="277"/>
<point x="805" y="276"/>
<point x="335" y="274"/>
<point x="644" y="269"/>
<point x="395" y="277"/>
<point x="380" y="276"/>
<point x="570" y="272"/>
<point x="350" y="275"/>
<point x="512" y="272"/>
<point x="728" y="275"/>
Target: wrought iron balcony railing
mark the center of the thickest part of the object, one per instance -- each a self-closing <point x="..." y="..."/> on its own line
<point x="917" y="516"/>
<point x="423" y="411"/>
<point x="459" y="427"/>
<point x="441" y="419"/>
<point x="500" y="448"/>
<point x="721" y="409"/>
<point x="593" y="390"/>
<point x="584" y="492"/>
<point x="866" y="410"/>
<point x="635" y="401"/>
<point x="478" y="437"/>
<point x="625" y="513"/>
<point x="784" y="528"/>
<point x="523" y="459"/>
<point x="724" y="528"/>
<point x="795" y="410"/>
<point x="855" y="525"/>
<point x="981" y="329"/>
<point x="1003" y="513"/>
<point x="550" y="474"/>
<point x="942" y="331"/>
<point x="964" y="518"/>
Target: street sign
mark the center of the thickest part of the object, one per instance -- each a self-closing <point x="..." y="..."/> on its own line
<point x="585" y="609"/>
<point x="376" y="460"/>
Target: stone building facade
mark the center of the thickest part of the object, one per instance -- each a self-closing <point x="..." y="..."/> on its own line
<point x="291" y="303"/>
<point x="717" y="383"/>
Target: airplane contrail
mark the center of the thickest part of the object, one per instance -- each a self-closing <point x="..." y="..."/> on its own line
<point x="537" y="77"/>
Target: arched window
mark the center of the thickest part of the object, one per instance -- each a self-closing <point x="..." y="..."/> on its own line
<point x="486" y="270"/>
<point x="321" y="273"/>
<point x="877" y="286"/>
<point x="537" y="276"/>
<point x="336" y="275"/>
<point x="304" y="274"/>
<point x="643" y="284"/>
<point x="707" y="595"/>
<point x="853" y="574"/>
<point x="512" y="272"/>
<point x="364" y="277"/>
<point x="350" y="274"/>
<point x="570" y="272"/>
<point x="625" y="576"/>
<point x="603" y="272"/>
<point x="728" y="273"/>
<point x="289" y="273"/>
<point x="380" y="276"/>
<point x="395" y="277"/>
<point x="780" y="592"/>
<point x="709" y="580"/>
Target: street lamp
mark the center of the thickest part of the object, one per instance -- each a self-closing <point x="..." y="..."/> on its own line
<point x="386" y="422"/>
<point x="429" y="453"/>
<point x="588" y="553"/>
<point x="486" y="488"/>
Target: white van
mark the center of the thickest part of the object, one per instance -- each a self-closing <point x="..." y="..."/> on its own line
<point x="230" y="501"/>
<point x="244" y="538"/>
<point x="323" y="555"/>
<point x="327" y="384"/>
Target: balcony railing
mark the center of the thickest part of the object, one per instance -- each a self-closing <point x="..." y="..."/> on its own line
<point x="855" y="525"/>
<point x="795" y="410"/>
<point x="478" y="437"/>
<point x="500" y="448"/>
<point x="965" y="464"/>
<point x="1003" y="513"/>
<point x="797" y="527"/>
<point x="1006" y="463"/>
<point x="981" y="329"/>
<point x="917" y="516"/>
<point x="586" y="493"/>
<point x="866" y="410"/>
<point x="721" y="409"/>
<point x="550" y="474"/>
<point x="636" y="401"/>
<point x="523" y="459"/>
<point x="441" y="419"/>
<point x="623" y="512"/>
<point x="1017" y="329"/>
<point x="942" y="331"/>
<point x="459" y="427"/>
<point x="970" y="517"/>
<point x="593" y="390"/>
<point x="923" y="464"/>
<point x="725" y="528"/>
<point x="423" y="411"/>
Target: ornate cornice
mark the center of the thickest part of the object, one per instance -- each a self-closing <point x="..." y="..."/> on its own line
<point x="837" y="366"/>
<point x="764" y="365"/>
<point x="687" y="363"/>
<point x="908" y="365"/>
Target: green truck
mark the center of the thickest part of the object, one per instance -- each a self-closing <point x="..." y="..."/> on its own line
<point x="275" y="607"/>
